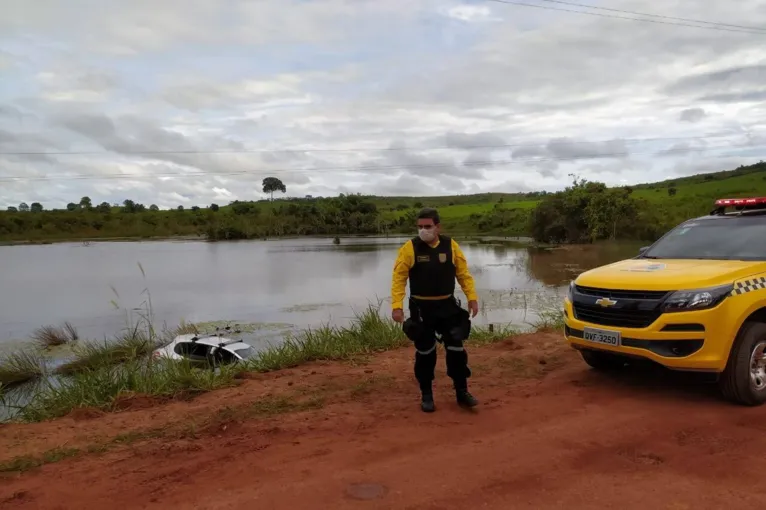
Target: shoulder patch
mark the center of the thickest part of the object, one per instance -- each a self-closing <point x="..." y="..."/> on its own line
<point x="749" y="285"/>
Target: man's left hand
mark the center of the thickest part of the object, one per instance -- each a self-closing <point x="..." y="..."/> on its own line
<point x="473" y="307"/>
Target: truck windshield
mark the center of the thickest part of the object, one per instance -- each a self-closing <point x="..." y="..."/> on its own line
<point x="725" y="238"/>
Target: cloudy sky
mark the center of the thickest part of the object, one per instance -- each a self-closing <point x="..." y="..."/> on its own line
<point x="191" y="102"/>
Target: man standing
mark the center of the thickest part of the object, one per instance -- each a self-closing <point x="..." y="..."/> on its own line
<point x="432" y="262"/>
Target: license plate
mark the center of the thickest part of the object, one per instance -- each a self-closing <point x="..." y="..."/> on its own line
<point x="603" y="336"/>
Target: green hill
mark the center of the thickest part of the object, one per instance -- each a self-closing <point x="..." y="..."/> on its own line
<point x="661" y="204"/>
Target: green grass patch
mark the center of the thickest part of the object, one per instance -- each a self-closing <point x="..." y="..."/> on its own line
<point x="102" y="387"/>
<point x="549" y="320"/>
<point x="27" y="462"/>
<point x="21" y="367"/>
<point x="100" y="375"/>
<point x="132" y="345"/>
<point x="367" y="333"/>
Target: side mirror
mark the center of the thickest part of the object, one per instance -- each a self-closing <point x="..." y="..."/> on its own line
<point x="643" y="249"/>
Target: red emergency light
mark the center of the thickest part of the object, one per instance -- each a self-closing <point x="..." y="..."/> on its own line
<point x="740" y="201"/>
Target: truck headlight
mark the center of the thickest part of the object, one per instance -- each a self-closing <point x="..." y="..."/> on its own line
<point x="570" y="291"/>
<point x="696" y="299"/>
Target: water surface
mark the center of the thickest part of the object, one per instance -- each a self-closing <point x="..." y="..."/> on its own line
<point x="274" y="285"/>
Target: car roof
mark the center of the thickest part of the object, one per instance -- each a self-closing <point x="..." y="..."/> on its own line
<point x="214" y="340"/>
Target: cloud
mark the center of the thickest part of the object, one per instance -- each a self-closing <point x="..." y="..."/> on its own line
<point x="195" y="102"/>
<point x="692" y="115"/>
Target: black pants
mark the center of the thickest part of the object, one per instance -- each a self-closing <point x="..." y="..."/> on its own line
<point x="445" y="318"/>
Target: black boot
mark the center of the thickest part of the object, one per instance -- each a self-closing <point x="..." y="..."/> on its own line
<point x="465" y="399"/>
<point x="427" y="403"/>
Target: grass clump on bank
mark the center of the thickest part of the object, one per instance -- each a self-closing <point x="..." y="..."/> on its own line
<point x="367" y="333"/>
<point x="133" y="344"/>
<point x="48" y="337"/>
<point x="21" y="367"/>
<point x="105" y="387"/>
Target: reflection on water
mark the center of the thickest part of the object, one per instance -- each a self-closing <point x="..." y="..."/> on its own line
<point x="280" y="284"/>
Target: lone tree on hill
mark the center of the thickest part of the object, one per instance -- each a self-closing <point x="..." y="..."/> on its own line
<point x="272" y="184"/>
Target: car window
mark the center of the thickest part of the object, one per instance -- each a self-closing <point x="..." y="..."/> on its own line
<point x="729" y="238"/>
<point x="245" y="352"/>
<point x="225" y="356"/>
<point x="194" y="351"/>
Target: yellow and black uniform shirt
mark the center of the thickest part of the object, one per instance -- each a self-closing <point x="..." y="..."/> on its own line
<point x="433" y="255"/>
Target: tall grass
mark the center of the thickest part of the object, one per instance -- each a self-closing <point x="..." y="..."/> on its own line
<point x="100" y="375"/>
<point x="47" y="337"/>
<point x="103" y="387"/>
<point x="21" y="367"/>
<point x="133" y="344"/>
<point x="368" y="332"/>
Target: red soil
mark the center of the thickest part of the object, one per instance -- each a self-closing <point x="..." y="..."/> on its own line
<point x="548" y="433"/>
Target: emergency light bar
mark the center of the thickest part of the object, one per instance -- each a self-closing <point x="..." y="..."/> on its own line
<point x="740" y="201"/>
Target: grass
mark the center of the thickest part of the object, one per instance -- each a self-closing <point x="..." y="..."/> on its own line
<point x="21" y="367"/>
<point x="104" y="387"/>
<point x="27" y="462"/>
<point x="48" y="337"/>
<point x="367" y="333"/>
<point x="100" y="375"/>
<point x="549" y="320"/>
<point x="131" y="345"/>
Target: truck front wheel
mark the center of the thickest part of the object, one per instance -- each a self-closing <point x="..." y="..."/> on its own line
<point x="743" y="381"/>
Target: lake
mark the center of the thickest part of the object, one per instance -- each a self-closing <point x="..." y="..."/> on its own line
<point x="273" y="285"/>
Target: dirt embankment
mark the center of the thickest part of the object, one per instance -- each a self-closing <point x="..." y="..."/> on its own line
<point x="549" y="433"/>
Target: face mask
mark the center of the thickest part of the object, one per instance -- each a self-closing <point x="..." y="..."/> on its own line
<point x="427" y="235"/>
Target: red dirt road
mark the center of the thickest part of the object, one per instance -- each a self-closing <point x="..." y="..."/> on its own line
<point x="549" y="433"/>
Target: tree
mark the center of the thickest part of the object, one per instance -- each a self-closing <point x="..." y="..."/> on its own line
<point x="23" y="207"/>
<point x="104" y="207"/>
<point x="71" y="206"/>
<point x="36" y="207"/>
<point x="180" y="208"/>
<point x="214" y="207"/>
<point x="85" y="203"/>
<point x="272" y="184"/>
<point x="12" y="209"/>
<point x="671" y="191"/>
<point x="153" y="207"/>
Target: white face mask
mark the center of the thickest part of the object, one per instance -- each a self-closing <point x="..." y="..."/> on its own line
<point x="427" y="235"/>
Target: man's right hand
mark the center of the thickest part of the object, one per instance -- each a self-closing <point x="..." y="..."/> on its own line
<point x="398" y="315"/>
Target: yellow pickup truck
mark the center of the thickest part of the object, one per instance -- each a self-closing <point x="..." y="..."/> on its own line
<point x="693" y="300"/>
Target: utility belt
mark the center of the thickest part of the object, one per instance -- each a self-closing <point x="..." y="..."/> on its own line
<point x="436" y="310"/>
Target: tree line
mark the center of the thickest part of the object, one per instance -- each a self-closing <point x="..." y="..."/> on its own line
<point x="583" y="212"/>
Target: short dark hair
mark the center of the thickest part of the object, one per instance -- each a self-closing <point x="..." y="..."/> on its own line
<point x="429" y="213"/>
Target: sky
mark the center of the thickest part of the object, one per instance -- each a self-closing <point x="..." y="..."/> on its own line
<point x="194" y="102"/>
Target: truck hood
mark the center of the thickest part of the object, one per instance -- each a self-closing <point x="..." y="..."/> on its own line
<point x="668" y="274"/>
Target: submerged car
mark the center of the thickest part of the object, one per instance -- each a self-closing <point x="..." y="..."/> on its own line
<point x="211" y="349"/>
<point x="694" y="300"/>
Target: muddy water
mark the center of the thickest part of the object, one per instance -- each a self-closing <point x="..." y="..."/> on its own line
<point x="273" y="286"/>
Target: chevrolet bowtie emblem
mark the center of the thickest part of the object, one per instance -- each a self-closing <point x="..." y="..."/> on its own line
<point x="605" y="301"/>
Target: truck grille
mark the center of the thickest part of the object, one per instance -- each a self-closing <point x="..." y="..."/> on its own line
<point x="634" y="308"/>
<point x="622" y="294"/>
<point x="634" y="318"/>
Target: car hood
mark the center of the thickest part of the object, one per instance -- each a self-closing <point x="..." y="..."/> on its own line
<point x="668" y="274"/>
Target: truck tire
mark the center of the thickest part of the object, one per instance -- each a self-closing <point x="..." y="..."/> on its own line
<point x="604" y="361"/>
<point x="743" y="381"/>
